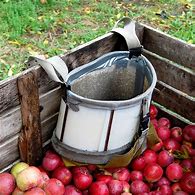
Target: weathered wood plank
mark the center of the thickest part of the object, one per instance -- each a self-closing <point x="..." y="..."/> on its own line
<point x="30" y="139"/>
<point x="175" y="100"/>
<point x="10" y="122"/>
<point x="9" y="149"/>
<point x="176" y="120"/>
<point x="172" y="74"/>
<point x="169" y="47"/>
<point x="9" y="92"/>
<point x="9" y="152"/>
<point x="91" y="50"/>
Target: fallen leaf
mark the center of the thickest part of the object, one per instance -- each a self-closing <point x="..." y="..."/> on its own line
<point x="10" y="72"/>
<point x="87" y="10"/>
<point x="45" y="42"/>
<point x="118" y="15"/>
<point x="43" y="1"/>
<point x="2" y="61"/>
<point x="14" y="42"/>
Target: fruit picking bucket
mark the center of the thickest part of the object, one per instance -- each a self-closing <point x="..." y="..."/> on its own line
<point x="105" y="103"/>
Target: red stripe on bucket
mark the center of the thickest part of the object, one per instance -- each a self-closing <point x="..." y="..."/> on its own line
<point x="109" y="130"/>
<point x="64" y="124"/>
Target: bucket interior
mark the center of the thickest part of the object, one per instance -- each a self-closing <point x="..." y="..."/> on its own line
<point x="120" y="80"/>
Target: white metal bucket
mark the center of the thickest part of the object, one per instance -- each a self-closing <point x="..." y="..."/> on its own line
<point x="102" y="104"/>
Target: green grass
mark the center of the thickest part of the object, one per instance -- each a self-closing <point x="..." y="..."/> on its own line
<point x="29" y="27"/>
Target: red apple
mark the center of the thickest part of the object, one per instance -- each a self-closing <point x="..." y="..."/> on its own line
<point x="7" y="183"/>
<point x="44" y="179"/>
<point x="165" y="189"/>
<point x="164" y="122"/>
<point x="153" y="111"/>
<point x="176" y="133"/>
<point x="79" y="169"/>
<point x="165" y="158"/>
<point x="153" y="172"/>
<point x="174" y="172"/>
<point x="150" y="156"/>
<point x="126" y="186"/>
<point x="72" y="190"/>
<point x="187" y="165"/>
<point x="139" y="187"/>
<point x="180" y="193"/>
<point x="104" y="178"/>
<point x="189" y="133"/>
<point x="176" y="187"/>
<point x="187" y="182"/>
<point x="122" y="174"/>
<point x="35" y="191"/>
<point x="163" y="181"/>
<point x="115" y="187"/>
<point x="171" y="144"/>
<point x="51" y="161"/>
<point x="138" y="163"/>
<point x="163" y="132"/>
<point x="54" y="187"/>
<point x="63" y="174"/>
<point x="82" y="180"/>
<point x="98" y="188"/>
<point x="136" y="175"/>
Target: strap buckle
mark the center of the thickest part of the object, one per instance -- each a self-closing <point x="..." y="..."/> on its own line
<point x="137" y="51"/>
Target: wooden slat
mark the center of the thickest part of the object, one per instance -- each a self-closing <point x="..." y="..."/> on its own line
<point x="9" y="148"/>
<point x="176" y="120"/>
<point x="91" y="50"/>
<point x="10" y="122"/>
<point x="172" y="74"/>
<point x="9" y="152"/>
<point x="175" y="100"/>
<point x="30" y="139"/>
<point x="9" y="92"/>
<point x="169" y="47"/>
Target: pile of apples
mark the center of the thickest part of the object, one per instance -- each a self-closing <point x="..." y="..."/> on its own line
<point x="166" y="168"/>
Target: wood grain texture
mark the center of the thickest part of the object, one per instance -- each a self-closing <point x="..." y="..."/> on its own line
<point x="172" y="74"/>
<point x="169" y="47"/>
<point x="9" y="91"/>
<point x="175" y="100"/>
<point x="30" y="139"/>
<point x="11" y="123"/>
<point x="90" y="51"/>
<point x="176" y="120"/>
<point x="9" y="149"/>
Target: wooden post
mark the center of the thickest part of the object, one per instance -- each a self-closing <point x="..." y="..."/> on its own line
<point x="30" y="139"/>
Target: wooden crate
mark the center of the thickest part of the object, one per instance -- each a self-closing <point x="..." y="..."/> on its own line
<point x="173" y="60"/>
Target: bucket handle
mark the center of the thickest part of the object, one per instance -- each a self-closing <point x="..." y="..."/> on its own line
<point x="55" y="67"/>
<point x="128" y="32"/>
